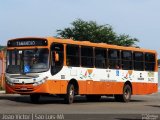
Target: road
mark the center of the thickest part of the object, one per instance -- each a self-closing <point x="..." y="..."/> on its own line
<point x="139" y="105"/>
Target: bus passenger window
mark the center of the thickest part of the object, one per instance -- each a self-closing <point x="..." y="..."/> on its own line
<point x="138" y="61"/>
<point x="127" y="60"/>
<point x="100" y="58"/>
<point x="149" y="62"/>
<point x="56" y="65"/>
<point x="73" y="55"/>
<point x="114" y="59"/>
<point x="86" y="56"/>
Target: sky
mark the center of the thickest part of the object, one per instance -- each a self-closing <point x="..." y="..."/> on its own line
<point x="41" y="18"/>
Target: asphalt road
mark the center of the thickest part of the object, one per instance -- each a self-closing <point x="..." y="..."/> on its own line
<point x="138" y="107"/>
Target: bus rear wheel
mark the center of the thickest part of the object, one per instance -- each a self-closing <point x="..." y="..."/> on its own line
<point x="126" y="96"/>
<point x="69" y="97"/>
<point x="34" y="98"/>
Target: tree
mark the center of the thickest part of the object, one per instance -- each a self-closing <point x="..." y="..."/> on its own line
<point x="91" y="31"/>
<point x="2" y="47"/>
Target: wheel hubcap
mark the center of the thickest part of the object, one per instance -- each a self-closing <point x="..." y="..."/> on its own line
<point x="127" y="94"/>
<point x="71" y="94"/>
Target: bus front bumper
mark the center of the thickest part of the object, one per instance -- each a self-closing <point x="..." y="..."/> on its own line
<point x="48" y="87"/>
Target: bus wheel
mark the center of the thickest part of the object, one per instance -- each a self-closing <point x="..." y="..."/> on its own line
<point x="126" y="96"/>
<point x="69" y="97"/>
<point x="93" y="98"/>
<point x="34" y="98"/>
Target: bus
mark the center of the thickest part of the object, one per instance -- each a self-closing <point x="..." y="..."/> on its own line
<point x="66" y="68"/>
<point x="2" y="69"/>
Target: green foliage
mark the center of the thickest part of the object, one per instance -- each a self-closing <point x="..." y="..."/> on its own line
<point x="91" y="31"/>
<point x="2" y="47"/>
<point x="126" y="40"/>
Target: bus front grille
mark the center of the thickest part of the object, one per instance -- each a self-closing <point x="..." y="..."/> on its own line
<point x="23" y="89"/>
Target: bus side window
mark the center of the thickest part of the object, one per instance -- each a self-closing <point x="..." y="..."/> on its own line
<point x="149" y="62"/>
<point x="138" y="58"/>
<point x="73" y="57"/>
<point x="57" y="50"/>
<point x="100" y="58"/>
<point x="114" y="59"/>
<point x="87" y="56"/>
<point x="127" y="60"/>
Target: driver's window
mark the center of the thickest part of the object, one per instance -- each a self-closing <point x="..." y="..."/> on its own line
<point x="57" y="57"/>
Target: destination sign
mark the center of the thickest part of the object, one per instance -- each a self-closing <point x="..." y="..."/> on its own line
<point x="27" y="42"/>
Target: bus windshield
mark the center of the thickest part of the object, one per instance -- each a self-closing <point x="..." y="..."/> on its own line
<point x="27" y="61"/>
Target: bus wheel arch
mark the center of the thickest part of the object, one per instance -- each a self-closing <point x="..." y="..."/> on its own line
<point x="128" y="83"/>
<point x="76" y="86"/>
<point x="126" y="93"/>
<point x="72" y="90"/>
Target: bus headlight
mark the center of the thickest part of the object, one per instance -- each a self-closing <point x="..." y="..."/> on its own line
<point x="9" y="82"/>
<point x="40" y="82"/>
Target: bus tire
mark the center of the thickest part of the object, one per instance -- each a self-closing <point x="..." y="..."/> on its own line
<point x="126" y="96"/>
<point x="34" y="98"/>
<point x="69" y="97"/>
<point x="93" y="98"/>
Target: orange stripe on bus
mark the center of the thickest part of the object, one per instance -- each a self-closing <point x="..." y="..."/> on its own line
<point x="85" y="87"/>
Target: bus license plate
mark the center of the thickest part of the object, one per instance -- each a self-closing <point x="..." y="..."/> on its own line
<point x="23" y="88"/>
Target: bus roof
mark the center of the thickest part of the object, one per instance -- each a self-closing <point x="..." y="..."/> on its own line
<point x="100" y="45"/>
<point x="86" y="43"/>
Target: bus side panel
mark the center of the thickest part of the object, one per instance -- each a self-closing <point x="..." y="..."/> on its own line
<point x="63" y="87"/>
<point x="57" y="86"/>
<point x="85" y="87"/>
<point x="107" y="87"/>
<point x="97" y="87"/>
<point x="144" y="88"/>
<point x="118" y="88"/>
<point x="82" y="87"/>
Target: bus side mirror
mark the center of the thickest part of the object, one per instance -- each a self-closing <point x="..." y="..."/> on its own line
<point x="56" y="55"/>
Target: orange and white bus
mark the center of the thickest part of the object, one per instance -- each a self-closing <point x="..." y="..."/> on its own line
<point x="64" y="67"/>
<point x="2" y="68"/>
